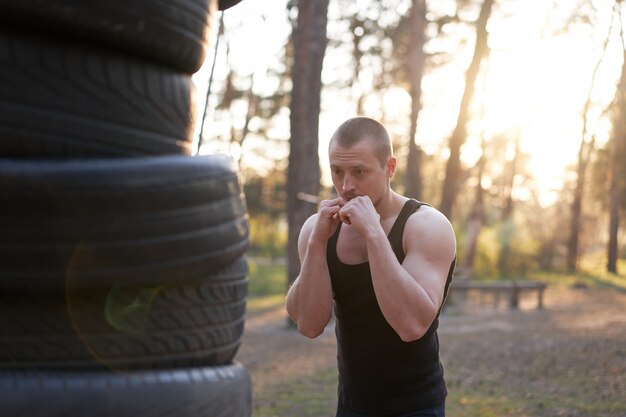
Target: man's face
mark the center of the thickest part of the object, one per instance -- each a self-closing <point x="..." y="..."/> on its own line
<point x="357" y="172"/>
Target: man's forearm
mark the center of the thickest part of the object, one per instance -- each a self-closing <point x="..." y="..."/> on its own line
<point x="309" y="300"/>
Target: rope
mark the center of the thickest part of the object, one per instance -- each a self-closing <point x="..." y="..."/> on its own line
<point x="208" y="91"/>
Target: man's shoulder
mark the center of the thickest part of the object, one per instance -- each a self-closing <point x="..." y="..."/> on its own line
<point x="307" y="226"/>
<point x="428" y="222"/>
<point x="311" y="219"/>
<point x="427" y="212"/>
<point x="429" y="235"/>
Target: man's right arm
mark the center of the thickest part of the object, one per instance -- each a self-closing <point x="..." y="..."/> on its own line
<point x="309" y="300"/>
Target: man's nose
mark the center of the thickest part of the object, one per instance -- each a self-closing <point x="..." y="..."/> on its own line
<point x="348" y="184"/>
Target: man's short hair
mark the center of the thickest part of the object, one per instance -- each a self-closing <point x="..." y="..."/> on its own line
<point x="356" y="129"/>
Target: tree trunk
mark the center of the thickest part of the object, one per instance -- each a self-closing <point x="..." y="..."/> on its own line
<point x="357" y="55"/>
<point x="476" y="220"/>
<point x="303" y="176"/>
<point x="611" y="265"/>
<point x="453" y="167"/>
<point x="619" y="137"/>
<point x="574" y="228"/>
<point x="415" y="65"/>
<point x="508" y="226"/>
<point x="584" y="155"/>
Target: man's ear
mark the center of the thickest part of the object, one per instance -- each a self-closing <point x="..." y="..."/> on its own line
<point x="391" y="166"/>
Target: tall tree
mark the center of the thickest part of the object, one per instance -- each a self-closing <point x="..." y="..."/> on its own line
<point x="587" y="145"/>
<point x="453" y="166"/>
<point x="309" y="41"/>
<point x="416" y="58"/>
<point x="508" y="226"/>
<point x="371" y="25"/>
<point x="356" y="27"/>
<point x="576" y="207"/>
<point x="476" y="217"/>
<point x="615" y="180"/>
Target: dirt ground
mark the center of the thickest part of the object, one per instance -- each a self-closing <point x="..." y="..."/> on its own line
<point x="568" y="359"/>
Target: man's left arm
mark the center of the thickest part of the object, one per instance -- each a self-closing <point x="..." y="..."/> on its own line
<point x="410" y="294"/>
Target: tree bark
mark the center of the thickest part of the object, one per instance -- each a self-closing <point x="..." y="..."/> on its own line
<point x="453" y="167"/>
<point x="576" y="208"/>
<point x="619" y="138"/>
<point x="416" y="59"/>
<point x="571" y="259"/>
<point x="303" y="175"/>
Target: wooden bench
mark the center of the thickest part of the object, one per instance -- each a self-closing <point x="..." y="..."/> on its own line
<point x="512" y="288"/>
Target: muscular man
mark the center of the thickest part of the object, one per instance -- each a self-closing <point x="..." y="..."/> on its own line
<point x="384" y="262"/>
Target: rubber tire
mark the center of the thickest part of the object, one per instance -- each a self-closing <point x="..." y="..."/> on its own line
<point x="62" y="99"/>
<point x="171" y="32"/>
<point x="126" y="326"/>
<point x="217" y="392"/>
<point x="223" y="4"/>
<point x="83" y="224"/>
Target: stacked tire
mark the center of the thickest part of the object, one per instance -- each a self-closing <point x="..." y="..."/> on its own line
<point x="123" y="277"/>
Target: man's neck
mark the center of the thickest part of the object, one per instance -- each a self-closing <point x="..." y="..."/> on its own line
<point x="390" y="205"/>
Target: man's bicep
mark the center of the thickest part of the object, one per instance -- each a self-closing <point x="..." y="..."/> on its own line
<point x="430" y="250"/>
<point x="428" y="275"/>
<point x="430" y="237"/>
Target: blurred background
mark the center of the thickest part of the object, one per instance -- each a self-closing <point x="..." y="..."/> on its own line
<point x="507" y="115"/>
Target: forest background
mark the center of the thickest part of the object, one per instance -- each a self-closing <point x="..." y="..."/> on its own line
<point x="507" y="115"/>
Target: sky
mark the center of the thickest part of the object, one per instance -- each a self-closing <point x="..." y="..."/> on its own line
<point x="536" y="82"/>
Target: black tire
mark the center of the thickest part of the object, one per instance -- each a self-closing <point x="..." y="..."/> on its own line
<point x="172" y="32"/>
<point x="227" y="4"/>
<point x="141" y="221"/>
<point x="126" y="326"/>
<point x="217" y="392"/>
<point x="61" y="99"/>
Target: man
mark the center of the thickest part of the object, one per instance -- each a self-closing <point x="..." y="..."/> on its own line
<point x="386" y="261"/>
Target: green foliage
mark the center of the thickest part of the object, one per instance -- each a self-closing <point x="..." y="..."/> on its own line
<point x="600" y="180"/>
<point x="268" y="237"/>
<point x="266" y="195"/>
<point x="267" y="282"/>
<point x="264" y="303"/>
<point x="266" y="279"/>
<point x="524" y="250"/>
<point x="521" y="257"/>
<point x="486" y="262"/>
<point x="266" y="200"/>
<point x="592" y="273"/>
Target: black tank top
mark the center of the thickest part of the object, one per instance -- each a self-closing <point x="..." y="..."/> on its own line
<point x="378" y="372"/>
